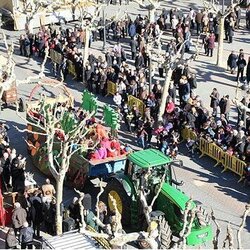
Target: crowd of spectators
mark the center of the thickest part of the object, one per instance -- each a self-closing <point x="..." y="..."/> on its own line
<point x="115" y="67"/>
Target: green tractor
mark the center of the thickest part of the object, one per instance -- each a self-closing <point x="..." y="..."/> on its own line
<point x="144" y="169"/>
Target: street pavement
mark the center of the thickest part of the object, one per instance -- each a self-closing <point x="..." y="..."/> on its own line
<point x="203" y="182"/>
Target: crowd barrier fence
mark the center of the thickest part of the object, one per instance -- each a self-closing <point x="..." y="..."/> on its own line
<point x="57" y="57"/>
<point x="71" y="68"/>
<point x="227" y="161"/>
<point x="137" y="102"/>
<point x="111" y="88"/>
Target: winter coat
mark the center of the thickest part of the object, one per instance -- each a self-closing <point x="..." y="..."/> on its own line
<point x="214" y="99"/>
<point x="211" y="42"/>
<point x="198" y="17"/>
<point x="241" y="63"/>
<point x="26" y="234"/>
<point x="10" y="241"/>
<point x="132" y="30"/>
<point x="36" y="209"/>
<point x="19" y="216"/>
<point x="231" y="61"/>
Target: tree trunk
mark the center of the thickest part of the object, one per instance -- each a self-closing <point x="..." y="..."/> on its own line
<point x="151" y="14"/>
<point x="59" y="200"/>
<point x="220" y="42"/>
<point x="168" y="77"/>
<point x="86" y="47"/>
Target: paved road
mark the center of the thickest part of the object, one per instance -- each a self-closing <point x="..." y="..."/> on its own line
<point x="204" y="182"/>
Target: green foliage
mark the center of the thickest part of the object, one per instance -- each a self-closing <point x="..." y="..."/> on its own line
<point x="68" y="122"/>
<point x="89" y="102"/>
<point x="111" y="117"/>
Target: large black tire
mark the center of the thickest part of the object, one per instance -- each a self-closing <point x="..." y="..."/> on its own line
<point x="166" y="234"/>
<point x="116" y="185"/>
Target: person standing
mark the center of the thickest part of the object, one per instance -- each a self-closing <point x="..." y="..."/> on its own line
<point x="210" y="44"/>
<point x="225" y="106"/>
<point x="139" y="62"/>
<point x="238" y="17"/>
<point x="48" y="189"/>
<point x="26" y="236"/>
<point x="74" y="211"/>
<point x="36" y="211"/>
<point x="11" y="240"/>
<point x="241" y="63"/>
<point x="198" y="20"/>
<point x="49" y="213"/>
<point x="248" y="71"/>
<point x="133" y="46"/>
<point x="19" y="216"/>
<point x="231" y="29"/>
<point x="232" y="62"/>
<point x="214" y="101"/>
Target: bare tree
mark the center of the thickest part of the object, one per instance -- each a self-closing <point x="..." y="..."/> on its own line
<point x="243" y="223"/>
<point x="151" y="8"/>
<point x="89" y="21"/>
<point x="218" y="230"/>
<point x="51" y="125"/>
<point x="82" y="223"/>
<point x="98" y="184"/>
<point x="229" y="237"/>
<point x="171" y="63"/>
<point x="210" y="6"/>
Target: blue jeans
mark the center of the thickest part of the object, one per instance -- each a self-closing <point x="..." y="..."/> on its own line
<point x="141" y="141"/>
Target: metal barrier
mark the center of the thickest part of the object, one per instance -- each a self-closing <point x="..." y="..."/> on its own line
<point x="215" y="152"/>
<point x="71" y="68"/>
<point x="56" y="57"/>
<point x="111" y="88"/>
<point x="234" y="164"/>
<point x="188" y="133"/>
<point x="137" y="102"/>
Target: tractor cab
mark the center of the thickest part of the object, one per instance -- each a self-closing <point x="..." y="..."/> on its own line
<point x="147" y="167"/>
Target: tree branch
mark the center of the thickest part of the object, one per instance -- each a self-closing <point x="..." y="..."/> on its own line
<point x="218" y="230"/>
<point x="243" y="222"/>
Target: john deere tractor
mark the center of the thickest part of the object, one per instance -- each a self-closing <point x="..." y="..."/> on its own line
<point x="144" y="169"/>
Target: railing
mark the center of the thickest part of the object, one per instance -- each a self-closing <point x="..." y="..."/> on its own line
<point x="138" y="103"/>
<point x="227" y="161"/>
<point x="111" y="88"/>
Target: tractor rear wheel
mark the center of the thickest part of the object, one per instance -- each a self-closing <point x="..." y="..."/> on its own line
<point x="123" y="201"/>
<point x="166" y="234"/>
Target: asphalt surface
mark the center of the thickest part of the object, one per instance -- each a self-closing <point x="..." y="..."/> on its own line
<point x="203" y="182"/>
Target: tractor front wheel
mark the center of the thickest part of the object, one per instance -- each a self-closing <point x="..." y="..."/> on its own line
<point x="165" y="236"/>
